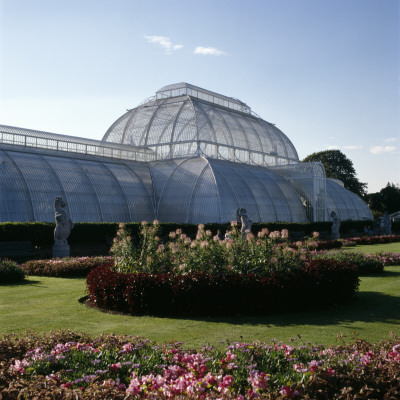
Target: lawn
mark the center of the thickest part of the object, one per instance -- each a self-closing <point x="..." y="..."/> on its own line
<point x="45" y="304"/>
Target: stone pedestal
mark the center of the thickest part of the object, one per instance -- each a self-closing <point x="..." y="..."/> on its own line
<point x="60" y="250"/>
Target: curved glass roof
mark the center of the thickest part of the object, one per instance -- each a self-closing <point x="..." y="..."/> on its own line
<point x="185" y="120"/>
<point x="200" y="189"/>
<point x="96" y="190"/>
<point x="347" y="204"/>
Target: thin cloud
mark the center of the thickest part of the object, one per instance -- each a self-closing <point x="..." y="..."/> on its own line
<point x="392" y="139"/>
<point x="382" y="149"/>
<point x="208" y="51"/>
<point x="333" y="147"/>
<point x="353" y="147"/>
<point x="164" y="42"/>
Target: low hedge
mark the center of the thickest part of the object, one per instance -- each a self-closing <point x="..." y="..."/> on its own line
<point x="372" y="240"/>
<point x="10" y="271"/>
<point x="41" y="233"/>
<point x="66" y="267"/>
<point x="199" y="294"/>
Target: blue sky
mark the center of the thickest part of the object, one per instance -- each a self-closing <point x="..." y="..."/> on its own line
<point x="326" y="72"/>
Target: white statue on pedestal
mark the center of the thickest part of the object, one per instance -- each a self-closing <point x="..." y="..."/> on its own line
<point x="63" y="222"/>
<point x="241" y="216"/>
<point x="387" y="224"/>
<point x="335" y="225"/>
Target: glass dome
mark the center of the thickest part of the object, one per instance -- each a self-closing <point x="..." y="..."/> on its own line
<point x="184" y="120"/>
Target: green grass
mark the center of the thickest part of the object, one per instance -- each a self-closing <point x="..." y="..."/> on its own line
<point x="46" y="304"/>
<point x="375" y="248"/>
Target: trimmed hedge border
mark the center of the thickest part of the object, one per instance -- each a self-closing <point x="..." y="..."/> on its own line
<point x="65" y="268"/>
<point x="41" y="233"/>
<point x="371" y="240"/>
<point x="318" y="285"/>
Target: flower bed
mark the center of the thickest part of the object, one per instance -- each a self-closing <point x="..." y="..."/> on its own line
<point x="67" y="366"/>
<point x="371" y="240"/>
<point x="198" y="293"/>
<point x="64" y="267"/>
<point x="366" y="264"/>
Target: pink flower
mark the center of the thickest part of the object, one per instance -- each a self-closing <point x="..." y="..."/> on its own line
<point x="210" y="379"/>
<point x="300" y="367"/>
<point x="115" y="367"/>
<point x="127" y="347"/>
<point x="258" y="381"/>
<point x="160" y="248"/>
<point x="19" y="366"/>
<point x="288" y="392"/>
<point x="134" y="387"/>
<point x="330" y="372"/>
<point x="314" y="365"/>
<point x="227" y="381"/>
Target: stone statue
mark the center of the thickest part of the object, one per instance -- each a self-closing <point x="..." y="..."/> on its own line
<point x="63" y="222"/>
<point x="241" y="216"/>
<point x="387" y="224"/>
<point x="335" y="225"/>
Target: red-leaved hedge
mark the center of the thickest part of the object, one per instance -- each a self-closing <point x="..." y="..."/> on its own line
<point x="373" y="239"/>
<point x="321" y="283"/>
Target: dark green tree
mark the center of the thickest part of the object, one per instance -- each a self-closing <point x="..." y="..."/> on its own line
<point x="338" y="166"/>
<point x="387" y="198"/>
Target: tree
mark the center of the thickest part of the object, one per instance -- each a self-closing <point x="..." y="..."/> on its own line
<point x="387" y="199"/>
<point x="338" y="166"/>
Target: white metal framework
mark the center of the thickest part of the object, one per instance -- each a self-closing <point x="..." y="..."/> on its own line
<point x="183" y="120"/>
<point x="186" y="155"/>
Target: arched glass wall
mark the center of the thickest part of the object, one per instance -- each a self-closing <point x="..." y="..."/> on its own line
<point x="199" y="190"/>
<point x="346" y="204"/>
<point x="185" y="155"/>
<point x="94" y="190"/>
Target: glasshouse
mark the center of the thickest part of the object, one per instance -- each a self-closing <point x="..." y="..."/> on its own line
<point x="185" y="155"/>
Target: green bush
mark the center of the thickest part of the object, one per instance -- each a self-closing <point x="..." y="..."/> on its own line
<point x="65" y="267"/>
<point x="10" y="271"/>
<point x="42" y="233"/>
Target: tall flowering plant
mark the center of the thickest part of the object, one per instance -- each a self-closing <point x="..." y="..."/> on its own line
<point x="146" y="257"/>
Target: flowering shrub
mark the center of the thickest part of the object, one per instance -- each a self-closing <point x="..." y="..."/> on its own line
<point x="237" y="253"/>
<point x="199" y="293"/>
<point x="314" y="243"/>
<point x="387" y="258"/>
<point x="365" y="263"/>
<point x="259" y="254"/>
<point x="64" y="267"/>
<point x="371" y="240"/>
<point x="10" y="271"/>
<point x="127" y="368"/>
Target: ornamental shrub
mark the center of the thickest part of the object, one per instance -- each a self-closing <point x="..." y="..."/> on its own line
<point x="366" y="264"/>
<point x="371" y="240"/>
<point x="205" y="294"/>
<point x="261" y="254"/>
<point x="10" y="271"/>
<point x="64" y="267"/>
